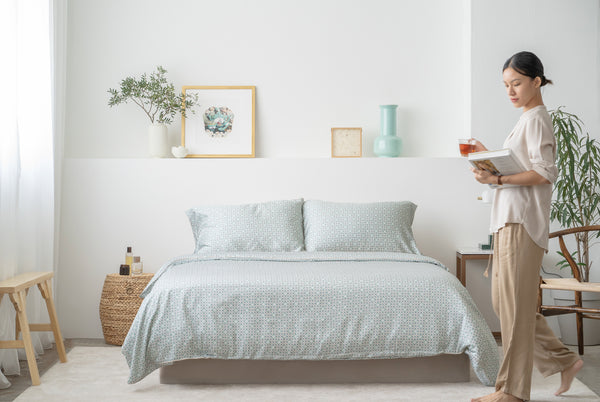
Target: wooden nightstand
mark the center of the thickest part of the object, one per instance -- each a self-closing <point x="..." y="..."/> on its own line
<point x="468" y="253"/>
<point x="119" y="304"/>
<point x="465" y="254"/>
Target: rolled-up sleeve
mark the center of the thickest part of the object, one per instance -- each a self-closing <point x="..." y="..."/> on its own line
<point x="541" y="148"/>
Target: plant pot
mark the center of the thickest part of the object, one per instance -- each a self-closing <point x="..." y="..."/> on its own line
<point x="567" y="323"/>
<point x="158" y="140"/>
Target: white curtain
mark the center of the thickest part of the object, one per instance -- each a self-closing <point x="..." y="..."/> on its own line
<point x="27" y="161"/>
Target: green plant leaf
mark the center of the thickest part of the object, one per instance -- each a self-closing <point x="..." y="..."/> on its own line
<point x="153" y="94"/>
<point x="577" y="188"/>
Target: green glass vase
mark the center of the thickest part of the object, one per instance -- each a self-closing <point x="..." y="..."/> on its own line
<point x="388" y="144"/>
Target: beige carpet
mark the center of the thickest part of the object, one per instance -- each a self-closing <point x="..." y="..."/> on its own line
<point x="100" y="374"/>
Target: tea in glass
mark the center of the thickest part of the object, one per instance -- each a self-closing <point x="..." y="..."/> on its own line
<point x="466" y="146"/>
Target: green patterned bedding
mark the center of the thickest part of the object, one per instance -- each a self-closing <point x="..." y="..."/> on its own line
<point x="306" y="305"/>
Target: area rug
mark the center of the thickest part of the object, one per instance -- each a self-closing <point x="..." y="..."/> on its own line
<point x="100" y="374"/>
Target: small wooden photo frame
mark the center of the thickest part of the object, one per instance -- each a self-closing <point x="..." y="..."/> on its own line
<point x="346" y="142"/>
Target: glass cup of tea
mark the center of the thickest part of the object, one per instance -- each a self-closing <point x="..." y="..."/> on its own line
<point x="466" y="146"/>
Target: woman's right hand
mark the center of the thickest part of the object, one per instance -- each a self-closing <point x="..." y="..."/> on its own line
<point x="479" y="146"/>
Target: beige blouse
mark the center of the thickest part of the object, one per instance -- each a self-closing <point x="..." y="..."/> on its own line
<point x="532" y="141"/>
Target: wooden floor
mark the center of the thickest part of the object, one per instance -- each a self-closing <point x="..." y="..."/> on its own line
<point x="589" y="375"/>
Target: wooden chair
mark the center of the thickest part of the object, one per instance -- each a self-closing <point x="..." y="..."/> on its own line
<point x="573" y="284"/>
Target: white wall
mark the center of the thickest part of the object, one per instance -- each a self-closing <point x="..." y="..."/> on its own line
<point x="563" y="34"/>
<point x="322" y="64"/>
<point x="316" y="65"/>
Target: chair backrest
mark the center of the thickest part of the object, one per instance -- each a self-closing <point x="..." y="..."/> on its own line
<point x="563" y="247"/>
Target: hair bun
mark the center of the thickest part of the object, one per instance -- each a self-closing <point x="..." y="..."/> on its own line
<point x="545" y="81"/>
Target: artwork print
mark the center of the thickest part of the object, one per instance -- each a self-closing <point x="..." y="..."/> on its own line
<point x="346" y="142"/>
<point x="222" y="124"/>
<point x="218" y="121"/>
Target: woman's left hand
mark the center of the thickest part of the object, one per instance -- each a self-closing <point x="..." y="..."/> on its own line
<point x="479" y="147"/>
<point x="483" y="176"/>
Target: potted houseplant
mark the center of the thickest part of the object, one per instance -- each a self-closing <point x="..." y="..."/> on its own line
<point x="576" y="203"/>
<point x="158" y="99"/>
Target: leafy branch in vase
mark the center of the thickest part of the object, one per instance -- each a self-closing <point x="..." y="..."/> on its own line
<point x="154" y="95"/>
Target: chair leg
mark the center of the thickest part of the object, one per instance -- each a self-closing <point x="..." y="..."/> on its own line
<point x="18" y="300"/>
<point x="539" y="296"/>
<point x="17" y="326"/>
<point x="46" y="290"/>
<point x="579" y="319"/>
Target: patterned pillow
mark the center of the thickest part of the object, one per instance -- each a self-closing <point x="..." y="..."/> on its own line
<point x="380" y="226"/>
<point x="269" y="226"/>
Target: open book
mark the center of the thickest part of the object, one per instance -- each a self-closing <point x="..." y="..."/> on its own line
<point x="501" y="162"/>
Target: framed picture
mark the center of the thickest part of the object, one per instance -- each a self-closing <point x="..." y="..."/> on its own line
<point x="346" y="142"/>
<point x="223" y="123"/>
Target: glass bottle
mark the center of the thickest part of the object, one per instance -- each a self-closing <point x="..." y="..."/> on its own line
<point x="129" y="257"/>
<point x="137" y="268"/>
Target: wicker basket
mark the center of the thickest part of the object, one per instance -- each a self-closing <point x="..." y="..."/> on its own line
<point x="119" y="304"/>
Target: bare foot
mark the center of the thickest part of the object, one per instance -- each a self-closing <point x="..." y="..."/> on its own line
<point x="497" y="396"/>
<point x="567" y="376"/>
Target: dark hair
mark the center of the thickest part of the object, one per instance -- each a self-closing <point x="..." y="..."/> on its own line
<point x="528" y="64"/>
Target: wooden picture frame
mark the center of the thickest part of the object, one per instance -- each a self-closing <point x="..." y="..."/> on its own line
<point x="222" y="122"/>
<point x="346" y="142"/>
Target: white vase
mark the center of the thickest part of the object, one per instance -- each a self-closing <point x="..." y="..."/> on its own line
<point x="158" y="140"/>
<point x="567" y="324"/>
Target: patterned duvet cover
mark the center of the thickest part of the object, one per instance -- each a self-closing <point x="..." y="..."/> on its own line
<point x="306" y="305"/>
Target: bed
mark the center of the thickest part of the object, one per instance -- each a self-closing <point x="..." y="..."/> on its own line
<point x="307" y="291"/>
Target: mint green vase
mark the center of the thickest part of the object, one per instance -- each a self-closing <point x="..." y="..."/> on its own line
<point x="388" y="144"/>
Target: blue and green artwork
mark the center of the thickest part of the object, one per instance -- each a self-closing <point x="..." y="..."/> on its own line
<point x="218" y="121"/>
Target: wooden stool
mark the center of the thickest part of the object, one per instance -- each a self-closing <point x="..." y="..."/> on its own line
<point x="17" y="289"/>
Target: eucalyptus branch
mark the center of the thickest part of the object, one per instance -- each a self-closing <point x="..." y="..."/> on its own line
<point x="154" y="95"/>
<point x="141" y="104"/>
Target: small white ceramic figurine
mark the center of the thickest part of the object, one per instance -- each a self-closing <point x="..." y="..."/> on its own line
<point x="179" y="151"/>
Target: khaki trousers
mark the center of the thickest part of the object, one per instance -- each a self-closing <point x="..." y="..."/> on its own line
<point x="526" y="336"/>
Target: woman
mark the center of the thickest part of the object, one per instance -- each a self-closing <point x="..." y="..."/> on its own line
<point x="520" y="220"/>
